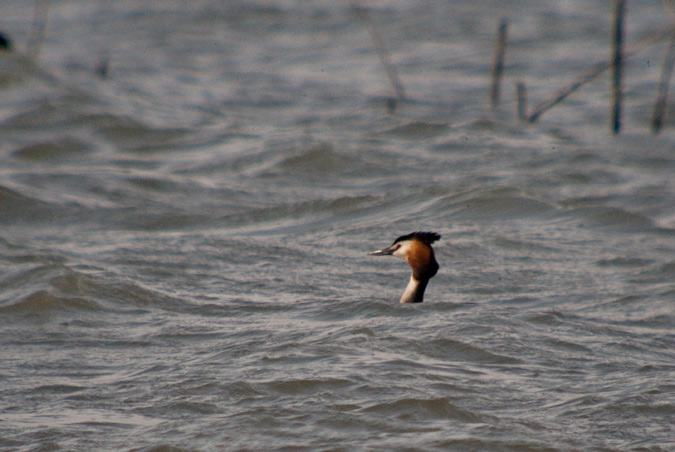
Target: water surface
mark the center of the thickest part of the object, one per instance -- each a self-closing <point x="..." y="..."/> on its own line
<point x="183" y="240"/>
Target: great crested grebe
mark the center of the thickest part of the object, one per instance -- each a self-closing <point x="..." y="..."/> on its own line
<point x="415" y="248"/>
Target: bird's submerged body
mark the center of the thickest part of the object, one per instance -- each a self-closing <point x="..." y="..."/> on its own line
<point x="415" y="248"/>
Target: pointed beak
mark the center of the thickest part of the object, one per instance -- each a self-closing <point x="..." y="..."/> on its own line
<point x="385" y="252"/>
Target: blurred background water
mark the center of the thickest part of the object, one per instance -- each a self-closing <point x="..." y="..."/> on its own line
<point x="188" y="191"/>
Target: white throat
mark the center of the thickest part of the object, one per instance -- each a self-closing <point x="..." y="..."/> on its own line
<point x="412" y="292"/>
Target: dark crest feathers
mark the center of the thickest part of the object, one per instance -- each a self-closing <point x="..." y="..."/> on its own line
<point x="425" y="237"/>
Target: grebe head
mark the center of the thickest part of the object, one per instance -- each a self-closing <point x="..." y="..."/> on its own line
<point x="415" y="248"/>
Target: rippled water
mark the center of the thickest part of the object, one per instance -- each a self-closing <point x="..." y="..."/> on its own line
<point x="183" y="241"/>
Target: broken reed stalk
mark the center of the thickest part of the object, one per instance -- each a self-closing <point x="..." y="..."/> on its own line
<point x="521" y="94"/>
<point x="617" y="63"/>
<point x="376" y="37"/>
<point x="38" y="28"/>
<point x="102" y="66"/>
<point x="593" y="73"/>
<point x="562" y="94"/>
<point x="662" y="96"/>
<point x="498" y="63"/>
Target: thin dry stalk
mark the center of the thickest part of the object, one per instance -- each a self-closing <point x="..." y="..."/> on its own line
<point x="617" y="63"/>
<point x="662" y="96"/>
<point x="521" y="94"/>
<point x="498" y="63"/>
<point x="38" y="28"/>
<point x="381" y="50"/>
<point x="593" y="73"/>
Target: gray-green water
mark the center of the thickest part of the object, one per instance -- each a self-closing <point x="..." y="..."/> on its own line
<point x="183" y="243"/>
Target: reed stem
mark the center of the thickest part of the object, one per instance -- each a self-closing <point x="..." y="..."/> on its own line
<point x="38" y="28"/>
<point x="662" y="96"/>
<point x="498" y="63"/>
<point x="381" y="50"/>
<point x="593" y="72"/>
<point x="521" y="94"/>
<point x="617" y="64"/>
